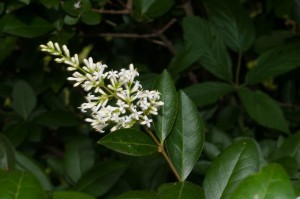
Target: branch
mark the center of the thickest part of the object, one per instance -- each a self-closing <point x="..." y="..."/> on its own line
<point x="127" y="10"/>
<point x="140" y="36"/>
<point x="188" y="8"/>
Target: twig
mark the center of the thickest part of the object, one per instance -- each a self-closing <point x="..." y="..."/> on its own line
<point x="127" y="10"/>
<point x="188" y="8"/>
<point x="140" y="36"/>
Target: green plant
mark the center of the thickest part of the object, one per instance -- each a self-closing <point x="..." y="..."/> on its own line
<point x="228" y="65"/>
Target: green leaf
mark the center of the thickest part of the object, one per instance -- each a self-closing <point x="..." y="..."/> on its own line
<point x="233" y="165"/>
<point x="216" y="59"/>
<point x="185" y="142"/>
<point x="167" y="113"/>
<point x="25" y="1"/>
<point x="138" y="195"/>
<point x="56" y="119"/>
<point x="263" y="109"/>
<point x="232" y="22"/>
<point x="197" y="37"/>
<point x="129" y="142"/>
<point x="7" y="154"/>
<point x="70" y="20"/>
<point x="16" y="132"/>
<point x="50" y="3"/>
<point x="35" y="28"/>
<point x="197" y="34"/>
<point x="180" y="190"/>
<point x="7" y="45"/>
<point x="20" y="185"/>
<point x="272" y="182"/>
<point x="24" y="99"/>
<point x="79" y="157"/>
<point x="101" y="178"/>
<point x="71" y="195"/>
<point x="289" y="147"/>
<point x="91" y="18"/>
<point x="208" y="92"/>
<point x="152" y="8"/>
<point x="27" y="164"/>
<point x="2" y="6"/>
<point x="273" y="63"/>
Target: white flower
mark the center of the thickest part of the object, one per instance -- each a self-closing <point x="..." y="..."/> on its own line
<point x="114" y="98"/>
<point x="146" y="121"/>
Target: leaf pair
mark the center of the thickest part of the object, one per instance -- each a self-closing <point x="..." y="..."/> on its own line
<point x="178" y="126"/>
<point x="233" y="174"/>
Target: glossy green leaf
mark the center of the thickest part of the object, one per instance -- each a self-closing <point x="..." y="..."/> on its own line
<point x="232" y="22"/>
<point x="208" y="92"/>
<point x="101" y="178"/>
<point x="197" y="37"/>
<point x="24" y="99"/>
<point x="272" y="182"/>
<point x="167" y="113"/>
<point x="129" y="142"/>
<point x="20" y="185"/>
<point x="180" y="190"/>
<point x="28" y="164"/>
<point x="216" y="59"/>
<point x="79" y="157"/>
<point x="152" y="8"/>
<point x="71" y="195"/>
<point x="70" y="20"/>
<point x="37" y="27"/>
<point x="138" y="195"/>
<point x="7" y="154"/>
<point x="263" y="109"/>
<point x="273" y="63"/>
<point x="185" y="142"/>
<point x="234" y="164"/>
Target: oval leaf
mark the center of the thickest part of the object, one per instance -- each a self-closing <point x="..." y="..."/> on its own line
<point x="274" y="62"/>
<point x="101" y="178"/>
<point x="232" y="166"/>
<point x="24" y="99"/>
<point x="185" y="142"/>
<point x="272" y="182"/>
<point x="27" y="164"/>
<point x="138" y="195"/>
<point x="7" y="154"/>
<point x="129" y="142"/>
<point x="79" y="157"/>
<point x="20" y="185"/>
<point x="233" y="23"/>
<point x="167" y="114"/>
<point x="207" y="93"/>
<point x="216" y="58"/>
<point x="263" y="109"/>
<point x="180" y="190"/>
<point x="71" y="194"/>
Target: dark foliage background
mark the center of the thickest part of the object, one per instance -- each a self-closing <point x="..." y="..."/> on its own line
<point x="237" y="60"/>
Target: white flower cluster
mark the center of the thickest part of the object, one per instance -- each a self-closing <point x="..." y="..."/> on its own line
<point x="114" y="98"/>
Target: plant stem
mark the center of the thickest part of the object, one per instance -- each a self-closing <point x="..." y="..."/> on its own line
<point x="161" y="149"/>
<point x="237" y="74"/>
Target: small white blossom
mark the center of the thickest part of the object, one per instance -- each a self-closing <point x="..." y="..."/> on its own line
<point x="114" y="98"/>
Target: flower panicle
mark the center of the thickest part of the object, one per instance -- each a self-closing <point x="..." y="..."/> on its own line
<point x="114" y="98"/>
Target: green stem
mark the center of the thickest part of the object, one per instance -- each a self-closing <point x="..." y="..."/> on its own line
<point x="162" y="150"/>
<point x="237" y="74"/>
